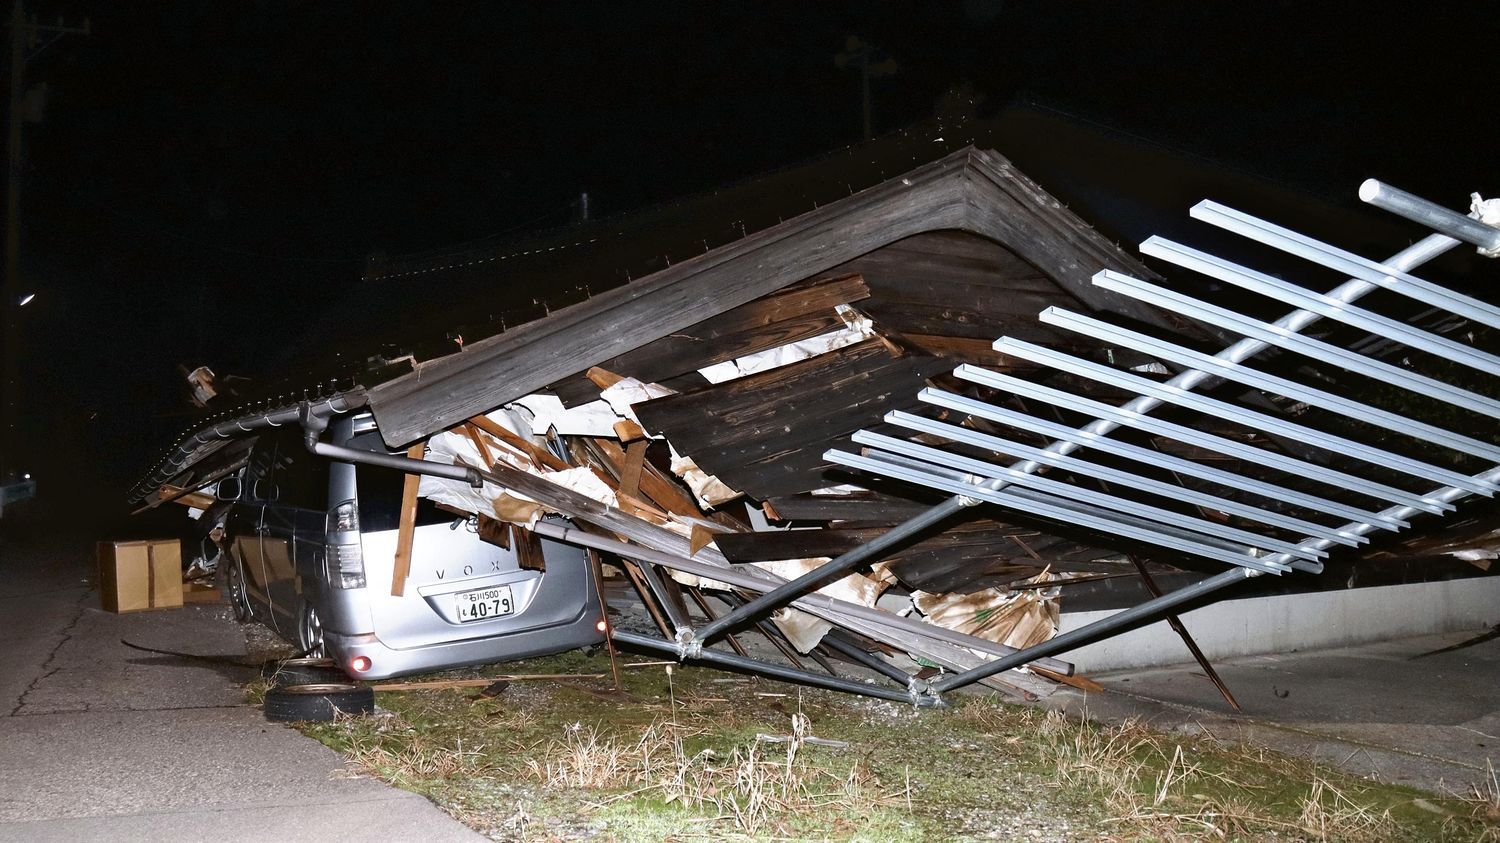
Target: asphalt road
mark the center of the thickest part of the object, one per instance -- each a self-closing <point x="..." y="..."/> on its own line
<point x="100" y="741"/>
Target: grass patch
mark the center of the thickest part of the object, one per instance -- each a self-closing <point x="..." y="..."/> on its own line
<point x="675" y="756"/>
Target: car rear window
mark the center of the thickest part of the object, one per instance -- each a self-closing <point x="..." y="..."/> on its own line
<point x="379" y="490"/>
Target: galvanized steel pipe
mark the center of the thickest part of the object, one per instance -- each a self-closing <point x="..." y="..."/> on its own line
<point x="1430" y="214"/>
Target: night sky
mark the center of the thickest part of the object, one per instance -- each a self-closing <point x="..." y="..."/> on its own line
<point x="210" y="177"/>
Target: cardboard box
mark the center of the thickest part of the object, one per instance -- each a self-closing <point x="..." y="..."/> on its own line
<point x="139" y="576"/>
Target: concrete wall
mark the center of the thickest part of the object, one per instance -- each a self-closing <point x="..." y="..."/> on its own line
<point x="1297" y="622"/>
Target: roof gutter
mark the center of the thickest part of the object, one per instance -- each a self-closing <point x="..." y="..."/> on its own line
<point x="314" y="419"/>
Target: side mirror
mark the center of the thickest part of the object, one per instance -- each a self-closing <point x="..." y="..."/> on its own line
<point x="228" y="489"/>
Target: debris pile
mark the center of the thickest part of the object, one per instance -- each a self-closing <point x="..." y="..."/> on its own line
<point x="823" y="402"/>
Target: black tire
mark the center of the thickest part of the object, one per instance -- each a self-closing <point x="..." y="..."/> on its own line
<point x="288" y="672"/>
<point x="300" y="703"/>
<point x="234" y="589"/>
<point x="310" y="630"/>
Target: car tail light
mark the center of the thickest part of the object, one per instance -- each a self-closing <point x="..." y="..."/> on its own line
<point x="346" y="565"/>
<point x="346" y="559"/>
<point x="343" y="518"/>
<point x="359" y="664"/>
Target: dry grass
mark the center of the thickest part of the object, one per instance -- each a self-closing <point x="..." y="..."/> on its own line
<point x="1485" y="796"/>
<point x="676" y="757"/>
<point x="745" y="786"/>
<point x="1328" y="812"/>
<point x="1152" y="785"/>
<point x="420" y="760"/>
<point x="255" y="691"/>
<point x="1484" y="800"/>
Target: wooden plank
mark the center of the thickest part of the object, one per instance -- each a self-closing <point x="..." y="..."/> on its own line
<point x="1079" y="681"/>
<point x="800" y="544"/>
<point x="633" y="571"/>
<point x="700" y="538"/>
<point x="629" y="431"/>
<point x="596" y="568"/>
<point x="795" y="313"/>
<point x="587" y="509"/>
<point x="635" y="460"/>
<point x="661" y="490"/>
<point x="978" y="350"/>
<point x="177" y="494"/>
<point x="871" y="507"/>
<point x="539" y="455"/>
<point x="603" y="378"/>
<point x="479" y="443"/>
<point x="452" y="684"/>
<point x="765" y="434"/>
<point x="406" y="527"/>
<point x="494" y="531"/>
<point x="528" y="546"/>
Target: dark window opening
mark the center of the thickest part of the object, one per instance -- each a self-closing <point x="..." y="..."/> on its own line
<point x="379" y="491"/>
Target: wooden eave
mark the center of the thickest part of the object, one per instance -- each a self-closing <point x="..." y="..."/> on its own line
<point x="974" y="191"/>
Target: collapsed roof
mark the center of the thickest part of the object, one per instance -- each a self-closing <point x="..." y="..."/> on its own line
<point x="732" y="375"/>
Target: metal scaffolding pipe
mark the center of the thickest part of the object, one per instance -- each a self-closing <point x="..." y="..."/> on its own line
<point x="872" y="662"/>
<point x="777" y="671"/>
<point x="786" y="593"/>
<point x="659" y="591"/>
<point x="398" y="463"/>
<point x="821" y="605"/>
<point x="1096" y="630"/>
<point x="1430" y="214"/>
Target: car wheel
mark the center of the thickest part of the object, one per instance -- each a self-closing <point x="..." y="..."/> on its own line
<point x="234" y="589"/>
<point x="287" y="672"/>
<point x="296" y="703"/>
<point x="310" y="632"/>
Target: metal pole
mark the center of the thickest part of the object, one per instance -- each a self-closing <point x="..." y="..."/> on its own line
<point x="835" y="611"/>
<point x="1412" y="256"/>
<point x="1182" y="632"/>
<point x="784" y="594"/>
<point x="767" y="629"/>
<point x="778" y="671"/>
<point x="872" y="662"/>
<point x="633" y="570"/>
<point x="708" y="612"/>
<point x="663" y="599"/>
<point x="1096" y="630"/>
<point x="1430" y="214"/>
<point x="11" y="348"/>
<point x="596" y="568"/>
<point x="10" y="286"/>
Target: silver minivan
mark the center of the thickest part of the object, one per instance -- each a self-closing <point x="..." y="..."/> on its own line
<point x="311" y="546"/>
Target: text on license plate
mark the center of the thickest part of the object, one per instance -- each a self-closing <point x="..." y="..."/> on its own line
<point x="484" y="603"/>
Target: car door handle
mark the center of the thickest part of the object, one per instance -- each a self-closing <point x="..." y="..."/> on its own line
<point x="262" y="529"/>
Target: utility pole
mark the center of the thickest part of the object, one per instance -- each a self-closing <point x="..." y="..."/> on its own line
<point x="23" y="39"/>
<point x="871" y="63"/>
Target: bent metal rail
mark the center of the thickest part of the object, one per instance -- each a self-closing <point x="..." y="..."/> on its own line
<point x="1248" y="552"/>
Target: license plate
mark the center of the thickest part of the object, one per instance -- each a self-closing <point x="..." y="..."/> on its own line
<point x="484" y="603"/>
